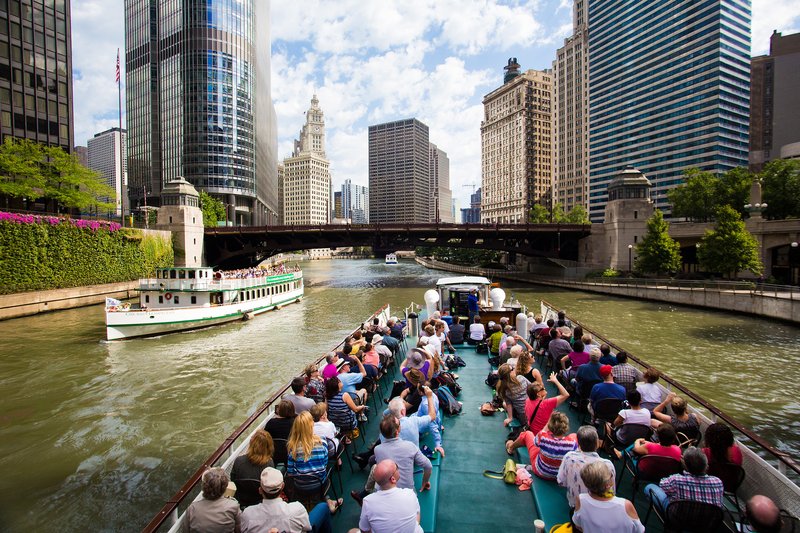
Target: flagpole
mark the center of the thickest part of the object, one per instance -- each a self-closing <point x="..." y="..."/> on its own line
<point x="123" y="186"/>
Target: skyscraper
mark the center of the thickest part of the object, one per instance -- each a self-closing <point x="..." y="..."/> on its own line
<point x="306" y="175"/>
<point x="668" y="91"/>
<point x="107" y="155"/>
<point x="355" y="202"/>
<point x="472" y="214"/>
<point x="516" y="158"/>
<point x="198" y="103"/>
<point x="571" y="114"/>
<point x="775" y="101"/>
<point x="399" y="172"/>
<point x="442" y="197"/>
<point x="36" y="72"/>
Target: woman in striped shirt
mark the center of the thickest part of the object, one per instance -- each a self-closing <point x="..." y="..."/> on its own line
<point x="548" y="448"/>
<point x="308" y="455"/>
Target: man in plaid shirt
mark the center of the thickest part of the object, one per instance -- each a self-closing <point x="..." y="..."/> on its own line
<point x="626" y="374"/>
<point x="694" y="484"/>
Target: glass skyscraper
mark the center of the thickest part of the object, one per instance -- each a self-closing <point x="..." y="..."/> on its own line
<point x="668" y="90"/>
<point x="199" y="103"/>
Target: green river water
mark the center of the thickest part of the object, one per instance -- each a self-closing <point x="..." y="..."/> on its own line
<point x="95" y="436"/>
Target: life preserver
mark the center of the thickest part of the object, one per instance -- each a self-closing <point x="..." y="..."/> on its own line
<point x="168" y="296"/>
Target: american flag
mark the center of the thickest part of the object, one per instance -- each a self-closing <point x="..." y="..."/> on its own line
<point x="117" y="65"/>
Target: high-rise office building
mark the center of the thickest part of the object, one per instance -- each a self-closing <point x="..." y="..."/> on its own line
<point x="472" y="214"/>
<point x="775" y="102"/>
<point x="36" y="72"/>
<point x="571" y="114"/>
<point x="306" y="175"/>
<point x="442" y="197"/>
<point x="199" y="103"/>
<point x="399" y="172"/>
<point x="81" y="152"/>
<point x="355" y="202"/>
<point x="669" y="88"/>
<point x="106" y="154"/>
<point x="516" y="158"/>
<point x="337" y="204"/>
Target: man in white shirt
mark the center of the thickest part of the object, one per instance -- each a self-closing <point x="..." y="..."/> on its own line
<point x="391" y="509"/>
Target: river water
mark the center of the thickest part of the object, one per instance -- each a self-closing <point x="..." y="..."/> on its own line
<point x="96" y="436"/>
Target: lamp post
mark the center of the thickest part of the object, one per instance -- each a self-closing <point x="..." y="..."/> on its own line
<point x="793" y="269"/>
<point x="755" y="210"/>
<point x="630" y="255"/>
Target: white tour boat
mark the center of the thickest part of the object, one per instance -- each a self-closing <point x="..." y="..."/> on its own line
<point x="179" y="299"/>
<point x="391" y="259"/>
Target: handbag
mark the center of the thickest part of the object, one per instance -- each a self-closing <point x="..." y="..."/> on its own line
<point x="508" y="474"/>
<point x="517" y="431"/>
<point x="487" y="409"/>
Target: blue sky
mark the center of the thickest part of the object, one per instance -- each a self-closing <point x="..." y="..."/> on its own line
<point x="376" y="61"/>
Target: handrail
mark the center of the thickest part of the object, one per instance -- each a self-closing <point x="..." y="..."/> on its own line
<point x="783" y="457"/>
<point x="172" y="503"/>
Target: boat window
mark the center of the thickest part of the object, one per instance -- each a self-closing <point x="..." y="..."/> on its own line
<point x="176" y="300"/>
<point x="161" y="299"/>
<point x="147" y="298"/>
<point x="194" y="299"/>
<point x="182" y="274"/>
<point x="191" y="274"/>
<point x="172" y="274"/>
<point x="241" y="296"/>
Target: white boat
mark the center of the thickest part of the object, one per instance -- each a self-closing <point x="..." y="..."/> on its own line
<point x="391" y="259"/>
<point x="179" y="299"/>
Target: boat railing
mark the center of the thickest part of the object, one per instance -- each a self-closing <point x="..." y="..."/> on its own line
<point x="781" y="473"/>
<point x="230" y="448"/>
<point x="225" y="284"/>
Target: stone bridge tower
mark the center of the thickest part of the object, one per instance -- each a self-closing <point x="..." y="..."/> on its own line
<point x="180" y="213"/>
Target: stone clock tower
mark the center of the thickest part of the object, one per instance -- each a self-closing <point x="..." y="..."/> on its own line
<point x="312" y="135"/>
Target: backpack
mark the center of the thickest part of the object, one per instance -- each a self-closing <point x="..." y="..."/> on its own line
<point x="447" y="402"/>
<point x="482" y="348"/>
<point x="492" y="379"/>
<point x="446" y="379"/>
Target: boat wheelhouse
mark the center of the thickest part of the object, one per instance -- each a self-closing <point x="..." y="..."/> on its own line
<point x="454" y="292"/>
<point x="391" y="259"/>
<point x="179" y="299"/>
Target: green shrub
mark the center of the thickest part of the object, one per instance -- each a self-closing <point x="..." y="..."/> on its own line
<point x="610" y="273"/>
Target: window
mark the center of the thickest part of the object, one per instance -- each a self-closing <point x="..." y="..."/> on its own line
<point x="194" y="299"/>
<point x="147" y="298"/>
<point x="161" y="299"/>
<point x="176" y="299"/>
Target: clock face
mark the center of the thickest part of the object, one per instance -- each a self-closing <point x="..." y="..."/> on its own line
<point x="316" y="128"/>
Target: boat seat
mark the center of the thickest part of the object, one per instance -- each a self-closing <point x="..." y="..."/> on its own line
<point x="549" y="498"/>
<point x="428" y="500"/>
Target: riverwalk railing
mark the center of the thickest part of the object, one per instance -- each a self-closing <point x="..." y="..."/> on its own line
<point x="783" y="462"/>
<point x="169" y="513"/>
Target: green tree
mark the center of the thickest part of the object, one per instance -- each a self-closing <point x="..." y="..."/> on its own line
<point x="696" y="199"/>
<point x="20" y="175"/>
<point x="558" y="215"/>
<point x="658" y="252"/>
<point x="729" y="248"/>
<point x="577" y="215"/>
<point x="539" y="215"/>
<point x="70" y="184"/>
<point x="733" y="188"/>
<point x="213" y="209"/>
<point x="781" y="188"/>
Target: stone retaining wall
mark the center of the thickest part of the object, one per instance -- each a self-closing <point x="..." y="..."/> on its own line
<point x="35" y="302"/>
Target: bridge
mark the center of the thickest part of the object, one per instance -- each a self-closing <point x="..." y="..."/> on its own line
<point x="243" y="246"/>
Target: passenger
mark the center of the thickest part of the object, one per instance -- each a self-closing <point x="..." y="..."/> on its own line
<point x="351" y="379"/>
<point x="358" y="340"/>
<point x="548" y="448"/>
<point x="538" y="407"/>
<point x="626" y="374"/>
<point x="280" y="425"/>
<point x="508" y="331"/>
<point x="331" y="368"/>
<point x="385" y="353"/>
<point x="683" y="422"/>
<point x="431" y="339"/>
<point x="599" y="510"/>
<point x="274" y="514"/>
<point x="417" y="359"/>
<point x="763" y="515"/>
<point x="324" y="428"/>
<point x="606" y="357"/>
<point x="495" y="338"/>
<point x="308" y="455"/>
<point x="477" y="331"/>
<point x="693" y="484"/>
<point x="505" y="349"/>
<point x="577" y="334"/>
<point x="605" y="390"/>
<point x="651" y="393"/>
<point x="588" y="375"/>
<point x="512" y="389"/>
<point x="443" y="334"/>
<point x="636" y="414"/>
<point x="472" y="305"/>
<point x="258" y="457"/>
<point x="391" y="509"/>
<point x="301" y="403"/>
<point x="342" y="410"/>
<point x="396" y="328"/>
<point x="522" y="362"/>
<point x="569" y="473"/>
<point x="720" y="446"/>
<point x="667" y="445"/>
<point x="546" y="335"/>
<point x="213" y="513"/>
<point x="372" y="361"/>
<point x="538" y="326"/>
<point x="559" y="346"/>
<point x="562" y="320"/>
<point x="456" y="335"/>
<point x="575" y="358"/>
<point x="315" y="385"/>
<point x="404" y="454"/>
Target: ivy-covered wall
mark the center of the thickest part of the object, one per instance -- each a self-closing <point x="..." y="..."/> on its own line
<point x="41" y="253"/>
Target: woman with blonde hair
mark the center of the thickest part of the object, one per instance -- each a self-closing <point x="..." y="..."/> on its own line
<point x="548" y="448"/>
<point x="308" y="455"/>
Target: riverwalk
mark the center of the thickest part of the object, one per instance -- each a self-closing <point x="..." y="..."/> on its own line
<point x="770" y="301"/>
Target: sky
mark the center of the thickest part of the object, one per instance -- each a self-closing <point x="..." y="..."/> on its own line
<point x="375" y="61"/>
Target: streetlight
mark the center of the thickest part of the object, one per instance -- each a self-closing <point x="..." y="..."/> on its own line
<point x="630" y="254"/>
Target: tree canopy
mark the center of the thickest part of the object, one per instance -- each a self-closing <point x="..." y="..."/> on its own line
<point x="213" y="209"/>
<point x="703" y="192"/>
<point x="780" y="182"/>
<point x="657" y="252"/>
<point x="32" y="170"/>
<point x="729" y="248"/>
<point x="539" y="214"/>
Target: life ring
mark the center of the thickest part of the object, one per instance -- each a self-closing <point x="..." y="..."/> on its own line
<point x="168" y="296"/>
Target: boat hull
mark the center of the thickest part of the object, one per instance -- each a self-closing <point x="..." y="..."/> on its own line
<point x="139" y="323"/>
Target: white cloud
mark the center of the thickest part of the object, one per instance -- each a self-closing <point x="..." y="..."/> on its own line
<point x="769" y="15"/>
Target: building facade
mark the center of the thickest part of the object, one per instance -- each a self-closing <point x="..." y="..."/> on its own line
<point x="199" y="104"/>
<point x="775" y="102"/>
<point x="306" y="174"/>
<point x="472" y="214"/>
<point x="337" y="205"/>
<point x="355" y="202"/>
<point x="668" y="91"/>
<point x="106" y="154"/>
<point x="399" y="172"/>
<point x="36" y="73"/>
<point x="442" y="197"/>
<point x="571" y="114"/>
<point x="516" y="154"/>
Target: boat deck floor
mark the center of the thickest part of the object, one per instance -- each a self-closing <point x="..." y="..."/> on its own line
<point x="466" y="500"/>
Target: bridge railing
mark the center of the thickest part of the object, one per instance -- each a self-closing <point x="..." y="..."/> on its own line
<point x="791" y="292"/>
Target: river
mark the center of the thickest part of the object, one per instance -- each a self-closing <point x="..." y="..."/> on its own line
<point x="96" y="435"/>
